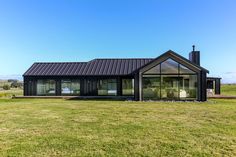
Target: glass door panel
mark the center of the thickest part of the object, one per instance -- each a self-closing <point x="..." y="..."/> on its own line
<point x="170" y="87"/>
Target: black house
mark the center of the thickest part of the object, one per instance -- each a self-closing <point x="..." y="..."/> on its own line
<point x="167" y="77"/>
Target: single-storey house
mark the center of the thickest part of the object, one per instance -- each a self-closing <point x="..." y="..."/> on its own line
<point x="167" y="77"/>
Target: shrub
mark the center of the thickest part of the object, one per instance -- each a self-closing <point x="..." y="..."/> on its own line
<point x="6" y="87"/>
<point x="16" y="85"/>
<point x="12" y="80"/>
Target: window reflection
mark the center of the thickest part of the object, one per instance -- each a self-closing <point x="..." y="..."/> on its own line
<point x="107" y="87"/>
<point x="70" y="87"/>
<point x="169" y="66"/>
<point x="170" y="87"/>
<point x="151" y="87"/>
<point x="127" y="86"/>
<point x="46" y="87"/>
<point x="173" y="81"/>
<point x="188" y="86"/>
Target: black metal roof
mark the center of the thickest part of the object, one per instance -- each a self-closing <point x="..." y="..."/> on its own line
<point x="94" y="67"/>
<point x="98" y="67"/>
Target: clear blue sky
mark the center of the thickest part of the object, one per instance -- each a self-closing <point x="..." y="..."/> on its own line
<point x="80" y="30"/>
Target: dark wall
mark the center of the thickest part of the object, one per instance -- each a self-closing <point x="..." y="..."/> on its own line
<point x="210" y="84"/>
<point x="29" y="86"/>
<point x="217" y="86"/>
<point x="202" y="86"/>
<point x="88" y="85"/>
<point x="136" y="87"/>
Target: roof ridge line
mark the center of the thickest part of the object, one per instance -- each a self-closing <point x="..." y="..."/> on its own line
<point x="58" y="62"/>
<point x="120" y="58"/>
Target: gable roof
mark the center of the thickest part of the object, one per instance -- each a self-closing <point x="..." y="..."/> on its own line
<point x="99" y="67"/>
<point x="172" y="54"/>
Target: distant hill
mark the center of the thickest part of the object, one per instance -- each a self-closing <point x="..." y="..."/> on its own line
<point x="6" y="77"/>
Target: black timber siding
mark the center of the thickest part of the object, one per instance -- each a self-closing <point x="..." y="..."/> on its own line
<point x="202" y="84"/>
<point x="136" y="86"/>
<point x="217" y="86"/>
<point x="88" y="85"/>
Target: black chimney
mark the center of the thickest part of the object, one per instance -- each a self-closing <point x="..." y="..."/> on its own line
<point x="194" y="56"/>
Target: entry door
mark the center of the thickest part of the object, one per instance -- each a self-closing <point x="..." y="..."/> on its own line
<point x="91" y="87"/>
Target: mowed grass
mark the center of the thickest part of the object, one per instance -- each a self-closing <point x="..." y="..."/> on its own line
<point x="36" y="127"/>
<point x="228" y="89"/>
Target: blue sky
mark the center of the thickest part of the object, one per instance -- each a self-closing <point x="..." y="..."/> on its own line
<point x="80" y="30"/>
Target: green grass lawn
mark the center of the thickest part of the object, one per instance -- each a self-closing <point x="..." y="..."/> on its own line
<point x="227" y="89"/>
<point x="34" y="127"/>
<point x="11" y="92"/>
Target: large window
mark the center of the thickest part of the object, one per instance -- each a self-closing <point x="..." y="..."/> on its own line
<point x="107" y="87"/>
<point x="127" y="86"/>
<point x="70" y="87"/>
<point x="169" y="67"/>
<point x="151" y="87"/>
<point x="170" y="80"/>
<point x="169" y="87"/>
<point x="188" y="87"/>
<point x="46" y="87"/>
<point x="155" y="70"/>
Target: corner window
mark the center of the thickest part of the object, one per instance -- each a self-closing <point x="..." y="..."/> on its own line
<point x="127" y="86"/>
<point x="188" y="86"/>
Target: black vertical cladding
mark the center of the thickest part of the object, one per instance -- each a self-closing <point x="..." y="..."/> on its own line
<point x="90" y="86"/>
<point x="136" y="87"/>
<point x="82" y="87"/>
<point x="217" y="86"/>
<point x="119" y="86"/>
<point x="34" y="87"/>
<point x="58" y="87"/>
<point x="203" y="84"/>
<point x="25" y="86"/>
